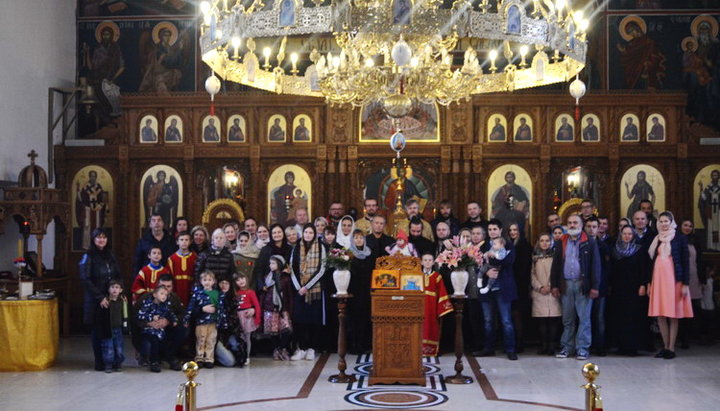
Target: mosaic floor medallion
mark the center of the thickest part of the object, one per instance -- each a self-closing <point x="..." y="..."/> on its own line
<point x="396" y="398"/>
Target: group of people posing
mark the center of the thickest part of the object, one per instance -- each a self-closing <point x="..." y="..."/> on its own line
<point x="249" y="283"/>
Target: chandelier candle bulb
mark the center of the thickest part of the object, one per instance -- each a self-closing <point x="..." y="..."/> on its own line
<point x="205" y="7"/>
<point x="294" y="60"/>
<point x="266" y="54"/>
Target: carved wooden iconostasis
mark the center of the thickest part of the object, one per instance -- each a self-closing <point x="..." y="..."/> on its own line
<point x="341" y="167"/>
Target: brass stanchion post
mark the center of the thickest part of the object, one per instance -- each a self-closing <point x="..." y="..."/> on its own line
<point x="191" y="371"/>
<point x="458" y="378"/>
<point x="341" y="377"/>
<point x="591" y="371"/>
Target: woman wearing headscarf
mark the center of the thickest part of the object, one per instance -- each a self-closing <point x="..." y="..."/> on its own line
<point x="629" y="271"/>
<point x="345" y="231"/>
<point x="96" y="268"/>
<point x="669" y="284"/>
<point x="361" y="267"/>
<point x="245" y="255"/>
<point x="307" y="264"/>
<point x="545" y="307"/>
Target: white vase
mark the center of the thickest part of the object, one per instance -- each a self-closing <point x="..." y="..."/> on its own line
<point x="459" y="279"/>
<point x="341" y="278"/>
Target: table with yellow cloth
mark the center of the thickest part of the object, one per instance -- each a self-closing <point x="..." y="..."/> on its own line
<point x="29" y="334"/>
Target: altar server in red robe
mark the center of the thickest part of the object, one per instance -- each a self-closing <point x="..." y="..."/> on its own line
<point x="437" y="304"/>
<point x="182" y="267"/>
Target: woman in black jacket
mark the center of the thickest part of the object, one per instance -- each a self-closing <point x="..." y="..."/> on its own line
<point x="217" y="258"/>
<point x="277" y="246"/>
<point x="521" y="269"/>
<point x="628" y="275"/>
<point x="97" y="267"/>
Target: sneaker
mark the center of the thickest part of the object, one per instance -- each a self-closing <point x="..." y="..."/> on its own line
<point x="284" y="355"/>
<point x="299" y="355"/>
<point x="117" y="369"/>
<point x="581" y="357"/>
<point x="561" y="354"/>
<point x="208" y="364"/>
<point x="276" y="355"/>
<point x="310" y="354"/>
<point x="108" y="370"/>
<point x="247" y="360"/>
<point x="512" y="356"/>
<point x="155" y="367"/>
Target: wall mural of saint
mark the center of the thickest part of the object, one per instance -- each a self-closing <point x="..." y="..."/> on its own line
<point x="173" y="129"/>
<point x="707" y="210"/>
<point x="384" y="185"/>
<point x="161" y="192"/>
<point x="289" y="188"/>
<point x="92" y="188"/>
<point x="642" y="182"/>
<point x="510" y="189"/>
<point x="237" y="129"/>
<point x="164" y="53"/>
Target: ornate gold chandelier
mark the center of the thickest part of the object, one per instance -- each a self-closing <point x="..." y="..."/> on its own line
<point x="408" y="49"/>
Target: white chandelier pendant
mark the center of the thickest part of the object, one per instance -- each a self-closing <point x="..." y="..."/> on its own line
<point x="355" y="52"/>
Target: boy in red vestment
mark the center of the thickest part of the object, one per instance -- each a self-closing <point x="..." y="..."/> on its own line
<point x="147" y="279"/>
<point x="437" y="304"/>
<point x="182" y="267"/>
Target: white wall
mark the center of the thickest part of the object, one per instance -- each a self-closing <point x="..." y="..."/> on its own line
<point x="37" y="51"/>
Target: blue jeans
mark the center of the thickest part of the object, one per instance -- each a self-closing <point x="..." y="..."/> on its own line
<point x="504" y="308"/>
<point x="576" y="309"/>
<point x="112" y="349"/>
<point x="223" y="354"/>
<point x="598" y="323"/>
<point x="150" y="347"/>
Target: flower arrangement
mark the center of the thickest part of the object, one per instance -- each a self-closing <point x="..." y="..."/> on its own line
<point x="19" y="262"/>
<point x="462" y="256"/>
<point x="339" y="258"/>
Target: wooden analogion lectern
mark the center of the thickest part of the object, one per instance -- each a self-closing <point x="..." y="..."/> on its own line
<point x="397" y="317"/>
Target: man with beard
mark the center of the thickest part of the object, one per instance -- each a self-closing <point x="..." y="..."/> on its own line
<point x="105" y="64"/>
<point x="378" y="240"/>
<point x="365" y="222"/>
<point x="422" y="245"/>
<point x="475" y="218"/>
<point x="412" y="208"/>
<point x="445" y="214"/>
<point x="647" y="207"/>
<point x="575" y="278"/>
<point x="335" y="213"/>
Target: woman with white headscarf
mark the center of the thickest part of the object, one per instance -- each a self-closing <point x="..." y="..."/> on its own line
<point x="668" y="289"/>
<point x="345" y="232"/>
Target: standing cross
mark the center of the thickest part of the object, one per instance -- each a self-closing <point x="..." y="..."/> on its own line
<point x="32" y="156"/>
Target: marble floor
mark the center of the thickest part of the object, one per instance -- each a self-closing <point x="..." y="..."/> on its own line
<point x="689" y="382"/>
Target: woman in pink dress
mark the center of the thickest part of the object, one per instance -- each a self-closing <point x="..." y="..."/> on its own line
<point x="668" y="288"/>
